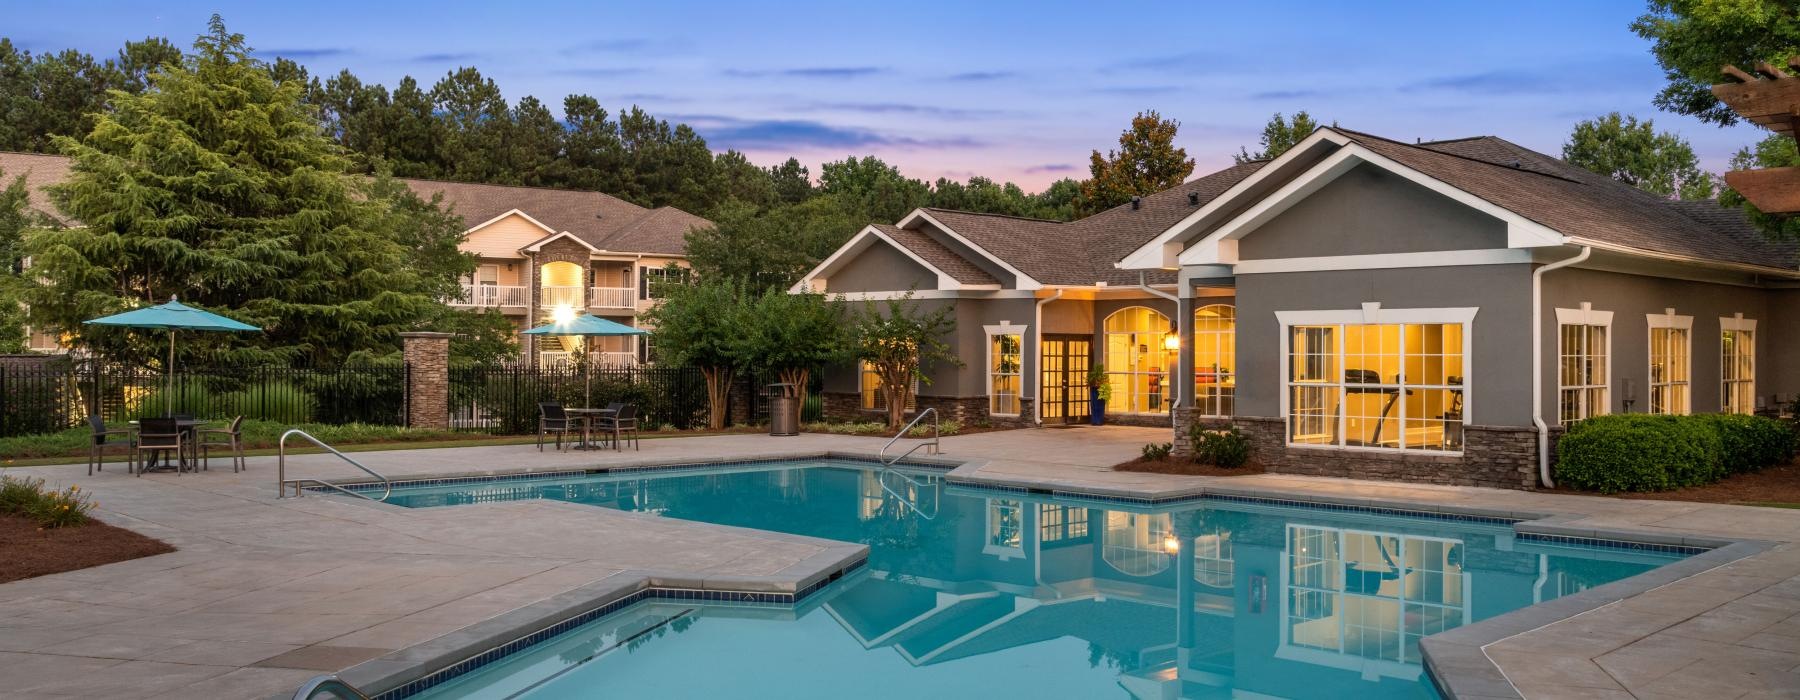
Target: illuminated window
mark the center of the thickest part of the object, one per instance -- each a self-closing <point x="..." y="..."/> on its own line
<point x="1737" y="363"/>
<point x="1213" y="565"/>
<point x="1138" y="360"/>
<point x="1215" y="359"/>
<point x="1372" y="595"/>
<point x="1583" y="349"/>
<point x="1388" y="385"/>
<point x="1059" y="523"/>
<point x="1133" y="543"/>
<point x="1671" y="347"/>
<point x="1005" y="527"/>
<point x="1005" y="358"/>
<point x="874" y="396"/>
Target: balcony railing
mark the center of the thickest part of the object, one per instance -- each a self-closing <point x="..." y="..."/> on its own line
<point x="562" y="296"/>
<point x="612" y="297"/>
<point x="486" y="295"/>
<point x="564" y="358"/>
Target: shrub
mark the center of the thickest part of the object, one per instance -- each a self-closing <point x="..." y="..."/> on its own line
<point x="1227" y="449"/>
<point x="191" y="398"/>
<point x="1751" y="443"/>
<point x="1639" y="453"/>
<point x="272" y="401"/>
<point x="66" y="508"/>
<point x="1158" y="452"/>
<point x="18" y="494"/>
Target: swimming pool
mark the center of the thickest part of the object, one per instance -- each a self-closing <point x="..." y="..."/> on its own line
<point x="978" y="593"/>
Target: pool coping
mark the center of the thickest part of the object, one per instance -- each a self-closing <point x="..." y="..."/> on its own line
<point x="1455" y="661"/>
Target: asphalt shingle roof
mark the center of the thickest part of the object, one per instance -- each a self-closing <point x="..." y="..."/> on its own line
<point x="39" y="171"/>
<point x="938" y="255"/>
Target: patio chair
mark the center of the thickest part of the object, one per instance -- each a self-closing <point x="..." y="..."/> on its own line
<point x="98" y="446"/>
<point x="623" y="421"/>
<point x="161" y="435"/>
<point x="231" y="439"/>
<point x="552" y="419"/>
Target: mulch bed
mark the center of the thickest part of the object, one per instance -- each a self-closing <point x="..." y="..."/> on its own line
<point x="1777" y="486"/>
<point x="1184" y="468"/>
<point x="26" y="551"/>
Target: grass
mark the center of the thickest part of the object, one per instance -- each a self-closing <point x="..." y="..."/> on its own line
<point x="260" y="438"/>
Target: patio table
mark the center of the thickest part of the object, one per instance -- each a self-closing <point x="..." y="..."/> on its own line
<point x="587" y="416"/>
<point x="189" y="428"/>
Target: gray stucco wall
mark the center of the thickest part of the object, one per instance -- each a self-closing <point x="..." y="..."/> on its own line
<point x="1368" y="211"/>
<point x="1631" y="297"/>
<point x="1498" y="393"/>
<point x="1779" y="352"/>
<point x="969" y="342"/>
<point x="880" y="268"/>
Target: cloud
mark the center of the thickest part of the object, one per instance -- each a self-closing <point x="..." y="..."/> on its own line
<point x="600" y="72"/>
<point x="906" y="108"/>
<point x="1600" y="74"/>
<point x="982" y="76"/>
<point x="1136" y="90"/>
<point x="446" y="57"/>
<point x="775" y="134"/>
<point x="307" y="54"/>
<point x="827" y="72"/>
<point x="1050" y="168"/>
<point x="1186" y="60"/>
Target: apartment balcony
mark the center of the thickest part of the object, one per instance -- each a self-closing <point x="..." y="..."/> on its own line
<point x="489" y="296"/>
<point x="612" y="297"/>
<point x="554" y="297"/>
<point x="563" y="358"/>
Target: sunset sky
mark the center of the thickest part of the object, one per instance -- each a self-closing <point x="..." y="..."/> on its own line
<point x="1013" y="91"/>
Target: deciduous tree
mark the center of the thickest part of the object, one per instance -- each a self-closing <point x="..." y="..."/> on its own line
<point x="1692" y="39"/>
<point x="1636" y="154"/>
<point x="900" y="341"/>
<point x="1147" y="161"/>
<point x="1279" y="135"/>
<point x="697" y="325"/>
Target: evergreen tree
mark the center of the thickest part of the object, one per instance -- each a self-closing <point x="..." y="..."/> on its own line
<point x="14" y="217"/>
<point x="218" y="186"/>
<point x="533" y="145"/>
<point x="872" y="189"/>
<point x="792" y="183"/>
<point x="1634" y="153"/>
<point x="593" y="157"/>
<point x="476" y="121"/>
<point x="1147" y="161"/>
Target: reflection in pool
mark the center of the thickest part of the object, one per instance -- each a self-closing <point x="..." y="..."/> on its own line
<point x="974" y="593"/>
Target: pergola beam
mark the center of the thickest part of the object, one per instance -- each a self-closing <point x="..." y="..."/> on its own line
<point x="1770" y="99"/>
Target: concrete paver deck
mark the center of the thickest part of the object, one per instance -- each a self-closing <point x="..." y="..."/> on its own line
<point x="264" y="593"/>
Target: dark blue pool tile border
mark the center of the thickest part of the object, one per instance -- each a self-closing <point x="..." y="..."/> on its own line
<point x="1260" y="500"/>
<point x="573" y="473"/>
<point x="478" y="661"/>
<point x="1681" y="549"/>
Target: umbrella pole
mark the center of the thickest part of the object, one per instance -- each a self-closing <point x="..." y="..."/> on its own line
<point x="170" y="369"/>
<point x="587" y="374"/>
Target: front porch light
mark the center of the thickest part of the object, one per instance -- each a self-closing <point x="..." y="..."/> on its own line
<point x="1171" y="341"/>
<point x="1171" y="545"/>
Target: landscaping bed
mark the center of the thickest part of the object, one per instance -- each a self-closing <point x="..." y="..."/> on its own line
<point x="27" y="550"/>
<point x="1184" y="467"/>
<point x="1777" y="486"/>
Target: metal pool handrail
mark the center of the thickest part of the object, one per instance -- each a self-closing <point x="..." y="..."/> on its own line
<point x="387" y="485"/>
<point x="912" y="503"/>
<point x="328" y="683"/>
<point x="932" y="443"/>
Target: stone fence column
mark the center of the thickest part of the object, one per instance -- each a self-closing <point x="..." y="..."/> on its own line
<point x="427" y="358"/>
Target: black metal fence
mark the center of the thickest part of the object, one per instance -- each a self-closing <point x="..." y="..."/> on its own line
<point x="52" y="397"/>
<point x="504" y="400"/>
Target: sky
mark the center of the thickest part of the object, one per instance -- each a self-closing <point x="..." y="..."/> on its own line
<point x="1019" y="91"/>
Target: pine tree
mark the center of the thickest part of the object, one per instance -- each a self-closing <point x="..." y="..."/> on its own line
<point x="1278" y="136"/>
<point x="217" y="185"/>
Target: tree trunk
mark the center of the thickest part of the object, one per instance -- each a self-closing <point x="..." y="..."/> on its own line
<point x="718" y="395"/>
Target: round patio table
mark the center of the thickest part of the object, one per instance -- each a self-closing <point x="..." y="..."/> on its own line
<point x="190" y="428"/>
<point x="587" y="416"/>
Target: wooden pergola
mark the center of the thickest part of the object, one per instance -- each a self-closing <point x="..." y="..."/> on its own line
<point x="1771" y="99"/>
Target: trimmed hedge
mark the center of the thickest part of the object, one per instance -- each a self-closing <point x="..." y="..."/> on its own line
<point x="1638" y="452"/>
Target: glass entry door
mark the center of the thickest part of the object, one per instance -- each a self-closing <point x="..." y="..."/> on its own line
<point x="1066" y="360"/>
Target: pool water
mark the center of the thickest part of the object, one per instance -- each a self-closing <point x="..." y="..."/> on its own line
<point x="975" y="593"/>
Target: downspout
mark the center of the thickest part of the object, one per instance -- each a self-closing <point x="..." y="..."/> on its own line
<point x="1144" y="285"/>
<point x="1537" y="361"/>
<point x="1037" y="325"/>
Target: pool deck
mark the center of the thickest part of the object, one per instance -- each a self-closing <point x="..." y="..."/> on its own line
<point x="265" y="593"/>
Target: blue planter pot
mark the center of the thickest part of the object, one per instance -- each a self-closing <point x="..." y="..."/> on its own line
<point x="1097" y="411"/>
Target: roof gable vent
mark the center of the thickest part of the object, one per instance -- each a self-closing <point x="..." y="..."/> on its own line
<point x="1136" y="202"/>
<point x="1193" y="199"/>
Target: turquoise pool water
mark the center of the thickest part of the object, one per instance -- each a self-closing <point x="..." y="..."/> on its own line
<point x="972" y="593"/>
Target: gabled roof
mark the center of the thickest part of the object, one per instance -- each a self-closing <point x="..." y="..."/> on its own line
<point x="939" y="256"/>
<point x="601" y="221"/>
<point x="40" y="171"/>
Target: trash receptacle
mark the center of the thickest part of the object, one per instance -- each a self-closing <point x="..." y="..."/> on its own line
<point x="784" y="410"/>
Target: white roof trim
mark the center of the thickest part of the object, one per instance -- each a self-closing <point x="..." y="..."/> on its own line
<point x="539" y="243"/>
<point x="510" y="212"/>
<point x="862" y="241"/>
<point x="1022" y="280"/>
<point x="1161" y="252"/>
<point x="1219" y="247"/>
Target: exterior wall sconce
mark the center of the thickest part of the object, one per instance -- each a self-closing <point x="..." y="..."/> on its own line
<point x="1171" y="342"/>
<point x="1171" y="545"/>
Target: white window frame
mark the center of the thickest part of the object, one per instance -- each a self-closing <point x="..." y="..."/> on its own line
<point x="1371" y="313"/>
<point x="1004" y="328"/>
<point x="1736" y="323"/>
<point x="1403" y="668"/>
<point x="1222" y="343"/>
<point x="1668" y="319"/>
<point x="864" y="372"/>
<point x="1585" y="316"/>
<point x="994" y="507"/>
<point x="1168" y="374"/>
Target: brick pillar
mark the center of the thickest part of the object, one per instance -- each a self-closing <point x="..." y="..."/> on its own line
<point x="427" y="358"/>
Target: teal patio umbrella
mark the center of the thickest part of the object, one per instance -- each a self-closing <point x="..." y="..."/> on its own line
<point x="173" y="316"/>
<point x="587" y="326"/>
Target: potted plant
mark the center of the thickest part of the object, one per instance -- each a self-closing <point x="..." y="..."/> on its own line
<point x="1099" y="390"/>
